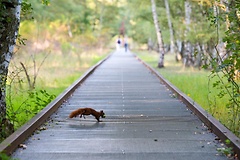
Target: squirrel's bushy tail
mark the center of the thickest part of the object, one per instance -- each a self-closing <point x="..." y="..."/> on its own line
<point x="73" y="114"/>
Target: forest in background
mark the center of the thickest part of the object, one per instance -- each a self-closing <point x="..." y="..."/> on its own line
<point x="188" y="27"/>
<point x="76" y="29"/>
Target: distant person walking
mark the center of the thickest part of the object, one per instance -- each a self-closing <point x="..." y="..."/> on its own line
<point x="118" y="43"/>
<point x="126" y="44"/>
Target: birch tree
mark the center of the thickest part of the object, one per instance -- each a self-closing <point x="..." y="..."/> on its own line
<point x="159" y="36"/>
<point x="172" y="46"/>
<point x="9" y="25"/>
<point x="187" y="59"/>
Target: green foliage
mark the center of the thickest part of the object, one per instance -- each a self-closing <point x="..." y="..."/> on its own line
<point x="89" y="23"/>
<point x="141" y="26"/>
<point x="226" y="68"/>
<point x="226" y="151"/>
<point x="26" y="9"/>
<point x="39" y="100"/>
<point x="30" y="104"/>
<point x="66" y="48"/>
<point x="3" y="156"/>
<point x="46" y="2"/>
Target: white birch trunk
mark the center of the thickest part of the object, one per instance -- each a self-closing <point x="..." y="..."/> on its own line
<point x="159" y="36"/>
<point x="187" y="45"/>
<point x="172" y="46"/>
<point x="8" y="35"/>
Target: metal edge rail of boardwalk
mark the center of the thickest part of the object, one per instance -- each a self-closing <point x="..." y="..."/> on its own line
<point x="214" y="125"/>
<point x="11" y="143"/>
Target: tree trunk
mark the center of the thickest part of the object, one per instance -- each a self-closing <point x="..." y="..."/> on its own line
<point x="9" y="25"/>
<point x="172" y="46"/>
<point x="159" y="36"/>
<point x="187" y="59"/>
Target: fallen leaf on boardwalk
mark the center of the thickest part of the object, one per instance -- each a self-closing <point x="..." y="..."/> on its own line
<point x="22" y="146"/>
<point x="42" y="128"/>
<point x="217" y="138"/>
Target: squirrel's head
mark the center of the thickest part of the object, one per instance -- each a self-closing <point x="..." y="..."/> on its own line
<point x="102" y="114"/>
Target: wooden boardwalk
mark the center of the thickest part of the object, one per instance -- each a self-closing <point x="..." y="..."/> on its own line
<point x="143" y="121"/>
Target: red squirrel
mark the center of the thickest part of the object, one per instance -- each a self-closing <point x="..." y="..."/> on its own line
<point x="87" y="111"/>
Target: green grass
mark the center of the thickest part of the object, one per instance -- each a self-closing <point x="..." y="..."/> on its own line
<point x="193" y="82"/>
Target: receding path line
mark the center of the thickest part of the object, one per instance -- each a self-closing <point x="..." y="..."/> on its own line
<point x="143" y="121"/>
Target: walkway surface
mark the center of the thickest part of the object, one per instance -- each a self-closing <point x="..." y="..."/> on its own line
<point x="143" y="121"/>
